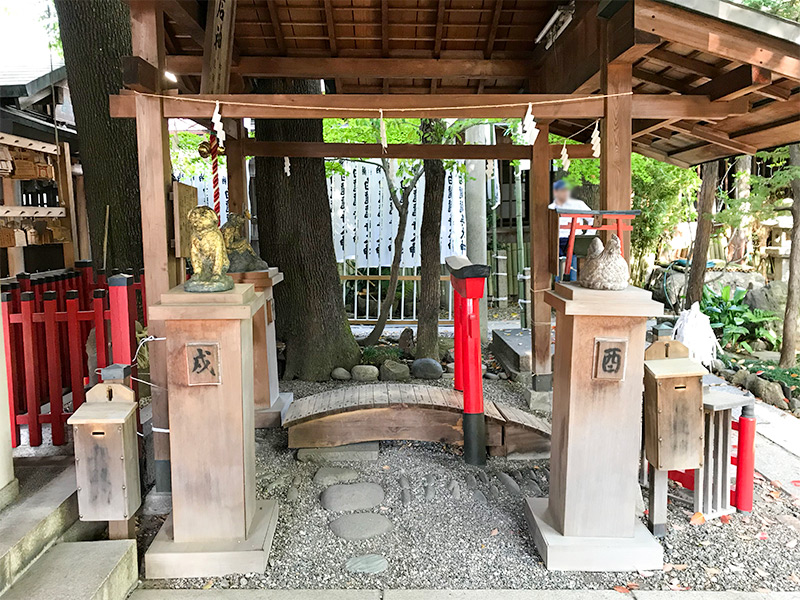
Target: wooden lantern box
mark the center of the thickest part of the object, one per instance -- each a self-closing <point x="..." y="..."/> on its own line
<point x="673" y="413"/>
<point x="106" y="460"/>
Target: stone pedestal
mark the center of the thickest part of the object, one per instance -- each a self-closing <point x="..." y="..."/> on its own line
<point x="588" y="522"/>
<point x="9" y="486"/>
<point x="270" y="403"/>
<point x="217" y="526"/>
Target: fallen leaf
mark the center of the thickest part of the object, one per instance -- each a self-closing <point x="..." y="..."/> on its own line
<point x="680" y="567"/>
<point x="762" y="535"/>
<point x="794" y="578"/>
<point x="762" y="572"/>
<point x="697" y="519"/>
<point x="711" y="571"/>
<point x="646" y="573"/>
<point x="494" y="531"/>
<point x="775" y="483"/>
<point x="621" y="589"/>
<point x="208" y="584"/>
<point x="763" y="590"/>
<point x="386" y="467"/>
<point x="632" y="585"/>
<point x="725" y="519"/>
<point x="775" y="494"/>
<point x="796" y="483"/>
<point x="791" y="543"/>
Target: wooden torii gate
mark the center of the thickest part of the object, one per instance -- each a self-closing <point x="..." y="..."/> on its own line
<point x="148" y="100"/>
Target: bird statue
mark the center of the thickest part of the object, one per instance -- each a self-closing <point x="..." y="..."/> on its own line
<point x="604" y="268"/>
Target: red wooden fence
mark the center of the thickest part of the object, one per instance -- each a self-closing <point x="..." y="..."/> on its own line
<point x="47" y="318"/>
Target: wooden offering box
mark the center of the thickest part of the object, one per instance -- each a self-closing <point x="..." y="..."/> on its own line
<point x="106" y="460"/>
<point x="673" y="392"/>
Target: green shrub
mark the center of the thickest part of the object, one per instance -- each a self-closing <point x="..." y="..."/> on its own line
<point x="736" y="324"/>
<point x="377" y="355"/>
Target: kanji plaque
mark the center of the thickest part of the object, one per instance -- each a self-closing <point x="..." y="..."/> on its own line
<point x="610" y="355"/>
<point x="202" y="363"/>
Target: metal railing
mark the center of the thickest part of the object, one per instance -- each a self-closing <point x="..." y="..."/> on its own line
<point x="362" y="294"/>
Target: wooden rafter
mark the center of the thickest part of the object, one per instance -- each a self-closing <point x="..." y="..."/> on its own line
<point x="490" y="38"/>
<point x="551" y="106"/>
<point x="735" y="83"/>
<point x="330" y="24"/>
<point x="693" y="65"/>
<point x="276" y="27"/>
<point x="713" y="136"/>
<point x="186" y="15"/>
<point x="437" y="39"/>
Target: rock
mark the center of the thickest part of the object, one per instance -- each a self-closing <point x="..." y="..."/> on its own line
<point x="532" y="489"/>
<point x="471" y="483"/>
<point x="426" y="368"/>
<point x="404" y="483"/>
<point x="449" y="376"/>
<point x="369" y="563"/>
<point x="455" y="491"/>
<point x="759" y="345"/>
<point x="503" y="376"/>
<point x="331" y="475"/>
<point x="297" y="481"/>
<point x="668" y="289"/>
<point x="340" y="374"/>
<point x="450" y="367"/>
<point x="405" y="497"/>
<point x="740" y="377"/>
<point x="361" y="452"/>
<point x="483" y="477"/>
<point x="718" y="365"/>
<point x="790" y="521"/>
<point x="494" y="493"/>
<point x="771" y="297"/>
<point x="770" y="392"/>
<point x="364" y="373"/>
<point x="361" y="526"/>
<point x="430" y="492"/>
<point x="491" y="376"/>
<point x="479" y="497"/>
<point x="508" y="481"/>
<point x="484" y="368"/>
<point x="394" y="371"/>
<point x="727" y="374"/>
<point x="292" y="495"/>
<point x="448" y="357"/>
<point x="430" y="479"/>
<point x="794" y="404"/>
<point x="350" y="497"/>
<point x="406" y="342"/>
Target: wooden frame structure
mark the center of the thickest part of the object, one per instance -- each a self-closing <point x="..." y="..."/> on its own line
<point x="684" y="86"/>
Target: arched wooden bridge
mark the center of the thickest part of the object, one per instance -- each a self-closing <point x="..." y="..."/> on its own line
<point x="396" y="411"/>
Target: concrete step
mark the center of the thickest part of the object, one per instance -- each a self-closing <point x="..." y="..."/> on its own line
<point x="105" y="570"/>
<point x="47" y="506"/>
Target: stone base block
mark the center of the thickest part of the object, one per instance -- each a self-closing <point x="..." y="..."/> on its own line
<point x="562" y="553"/>
<point x="267" y="418"/>
<point x="9" y="493"/>
<point x="167" y="559"/>
<point x="363" y="452"/>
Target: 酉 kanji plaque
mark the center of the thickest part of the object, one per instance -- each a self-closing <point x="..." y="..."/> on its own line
<point x="202" y="363"/>
<point x="609" y="358"/>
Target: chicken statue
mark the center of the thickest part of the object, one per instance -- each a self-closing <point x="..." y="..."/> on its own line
<point x="604" y="268"/>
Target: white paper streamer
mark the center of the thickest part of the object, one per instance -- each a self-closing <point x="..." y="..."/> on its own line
<point x="216" y="119"/>
<point x="564" y="157"/>
<point x="287" y="166"/>
<point x="384" y="142"/>
<point x="596" y="140"/>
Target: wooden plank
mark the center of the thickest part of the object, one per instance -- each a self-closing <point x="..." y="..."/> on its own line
<point x="238" y="177"/>
<point x="140" y="75"/>
<point x="276" y="27"/>
<point x="218" y="47"/>
<point x="687" y="63"/>
<point x="381" y="397"/>
<point x="187" y="19"/>
<point x="491" y="411"/>
<point x="540" y="248"/>
<point x="184" y="199"/>
<point x="17" y="141"/>
<point x="713" y="136"/>
<point x="546" y="106"/>
<point x="492" y="36"/>
<point x="735" y="83"/>
<point x="718" y="37"/>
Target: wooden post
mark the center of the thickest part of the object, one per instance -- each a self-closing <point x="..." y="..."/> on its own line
<point x="616" y="130"/>
<point x="16" y="255"/>
<point x="155" y="177"/>
<point x="81" y="215"/>
<point x="66" y="198"/>
<point x="237" y="172"/>
<point x="539" y="199"/>
<point x="218" y="49"/>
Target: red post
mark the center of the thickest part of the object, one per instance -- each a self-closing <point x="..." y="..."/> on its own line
<point x="86" y="277"/>
<point x="76" y="349"/>
<point x="101" y="279"/>
<point x="31" y="375"/>
<point x="24" y="280"/>
<point x="122" y="300"/>
<point x="11" y="363"/>
<point x="100" y="331"/>
<point x="458" y="335"/>
<point x="745" y="460"/>
<point x="53" y="367"/>
<point x="468" y="283"/>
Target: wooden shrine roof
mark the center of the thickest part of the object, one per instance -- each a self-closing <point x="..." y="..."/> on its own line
<point x="716" y="49"/>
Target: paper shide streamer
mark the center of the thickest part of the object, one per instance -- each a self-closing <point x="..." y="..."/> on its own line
<point x="596" y="140"/>
<point x="287" y="166"/>
<point x="216" y="119"/>
<point x="564" y="157"/>
<point x="529" y="130"/>
<point x="384" y="141"/>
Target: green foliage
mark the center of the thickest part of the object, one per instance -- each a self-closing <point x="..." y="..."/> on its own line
<point x="185" y="157"/>
<point x="788" y="9"/>
<point x="735" y="323"/>
<point x="377" y="355"/>
<point x="49" y="20"/>
<point x="770" y="371"/>
<point x="766" y="192"/>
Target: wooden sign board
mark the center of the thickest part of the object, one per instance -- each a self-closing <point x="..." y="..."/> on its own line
<point x="202" y="363"/>
<point x="610" y="356"/>
<point x="184" y="199"/>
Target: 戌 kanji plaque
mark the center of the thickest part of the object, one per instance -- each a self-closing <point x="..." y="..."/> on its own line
<point x="202" y="363"/>
<point x="609" y="358"/>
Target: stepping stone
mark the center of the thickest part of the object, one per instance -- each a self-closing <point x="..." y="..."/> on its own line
<point x="455" y="491"/>
<point x="405" y="497"/>
<point x="361" y="526"/>
<point x="363" y="452"/>
<point x="330" y="475"/>
<point x="297" y="481"/>
<point x="508" y="481"/>
<point x="369" y="563"/>
<point x="479" y="497"/>
<point x="430" y="492"/>
<point x="471" y="483"/>
<point x="430" y="479"/>
<point x="494" y="493"/>
<point x="292" y="495"/>
<point x="533" y="489"/>
<point x="404" y="483"/>
<point x="353" y="496"/>
<point x="483" y="477"/>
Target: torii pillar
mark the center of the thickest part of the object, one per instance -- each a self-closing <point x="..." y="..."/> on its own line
<point x="9" y="486"/>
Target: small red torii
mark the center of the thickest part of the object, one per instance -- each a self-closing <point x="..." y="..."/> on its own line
<point x="619" y="221"/>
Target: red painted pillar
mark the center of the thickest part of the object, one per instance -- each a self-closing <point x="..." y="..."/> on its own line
<point x="53" y="367"/>
<point x="12" y="372"/>
<point x="31" y="375"/>
<point x="745" y="460"/>
<point x="122" y="301"/>
<point x="468" y="283"/>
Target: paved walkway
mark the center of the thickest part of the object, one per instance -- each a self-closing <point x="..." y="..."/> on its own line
<point x="450" y="595"/>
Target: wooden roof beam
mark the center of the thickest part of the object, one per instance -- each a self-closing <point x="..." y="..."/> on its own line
<point x="378" y="68"/>
<point x="490" y="39"/>
<point x="736" y="83"/>
<point x="775" y="92"/>
<point x="186" y="14"/>
<point x="276" y="27"/>
<point x="719" y="38"/>
<point x="552" y="106"/>
<point x="712" y="136"/>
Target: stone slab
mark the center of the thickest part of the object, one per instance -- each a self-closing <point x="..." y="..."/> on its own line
<point x="512" y="349"/>
<point x="272" y="417"/>
<point x="167" y="559"/>
<point x="642" y="552"/>
<point x="501" y="595"/>
<point x="363" y="452"/>
<point x="9" y="493"/>
<point x="215" y="594"/>
<point x="101" y="570"/>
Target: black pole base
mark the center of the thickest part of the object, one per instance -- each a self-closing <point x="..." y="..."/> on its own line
<point x="475" y="439"/>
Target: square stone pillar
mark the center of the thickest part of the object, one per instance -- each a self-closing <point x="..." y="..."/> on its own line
<point x="9" y="486"/>
<point x="217" y="526"/>
<point x="589" y="521"/>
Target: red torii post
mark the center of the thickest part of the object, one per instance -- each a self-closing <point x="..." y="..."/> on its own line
<point x="468" y="281"/>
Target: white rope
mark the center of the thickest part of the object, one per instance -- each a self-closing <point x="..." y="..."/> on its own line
<point x="521" y="277"/>
<point x="160" y="430"/>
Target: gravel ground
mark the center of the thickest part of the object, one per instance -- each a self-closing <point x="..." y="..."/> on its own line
<point x="463" y="544"/>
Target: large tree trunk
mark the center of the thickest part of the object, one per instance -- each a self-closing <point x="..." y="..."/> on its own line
<point x="95" y="35"/>
<point x="709" y="174"/>
<point x="295" y="235"/>
<point x="430" y="250"/>
<point x="789" y="343"/>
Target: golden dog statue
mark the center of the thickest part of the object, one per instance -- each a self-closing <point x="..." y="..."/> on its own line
<point x="208" y="255"/>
